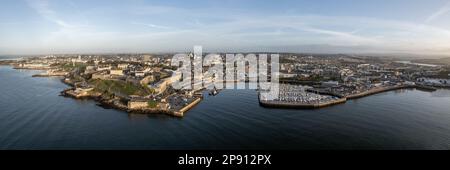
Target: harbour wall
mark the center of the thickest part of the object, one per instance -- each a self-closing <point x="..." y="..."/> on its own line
<point x="181" y="112"/>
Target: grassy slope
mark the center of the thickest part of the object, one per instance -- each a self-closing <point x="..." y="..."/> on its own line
<point x="119" y="87"/>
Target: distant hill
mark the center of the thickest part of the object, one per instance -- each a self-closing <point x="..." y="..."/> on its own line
<point x="440" y="61"/>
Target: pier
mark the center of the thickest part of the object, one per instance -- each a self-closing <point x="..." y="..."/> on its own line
<point x="191" y="105"/>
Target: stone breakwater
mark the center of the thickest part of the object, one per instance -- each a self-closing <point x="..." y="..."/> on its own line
<point x="341" y="99"/>
<point x="385" y="89"/>
<point x="187" y="108"/>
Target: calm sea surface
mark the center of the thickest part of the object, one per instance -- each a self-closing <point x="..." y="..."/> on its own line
<point x="33" y="116"/>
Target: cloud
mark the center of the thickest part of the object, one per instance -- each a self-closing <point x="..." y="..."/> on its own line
<point x="181" y="28"/>
<point x="349" y="36"/>
<point x="10" y="23"/>
<point x="42" y="8"/>
<point x="151" y="25"/>
<point x="440" y="12"/>
<point x="154" y="9"/>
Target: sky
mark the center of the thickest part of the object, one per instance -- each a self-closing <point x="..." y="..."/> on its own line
<point x="138" y="26"/>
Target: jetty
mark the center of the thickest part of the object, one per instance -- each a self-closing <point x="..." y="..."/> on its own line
<point x="188" y="107"/>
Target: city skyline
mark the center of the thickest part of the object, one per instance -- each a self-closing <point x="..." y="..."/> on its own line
<point x="43" y="27"/>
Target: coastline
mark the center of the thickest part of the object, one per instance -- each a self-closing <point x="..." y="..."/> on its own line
<point x="114" y="102"/>
<point x="104" y="101"/>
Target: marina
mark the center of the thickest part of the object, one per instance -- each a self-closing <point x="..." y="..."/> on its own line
<point x="294" y="96"/>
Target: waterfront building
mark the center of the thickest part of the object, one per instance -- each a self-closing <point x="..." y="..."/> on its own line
<point x="122" y="66"/>
<point x="116" y="72"/>
<point x="139" y="74"/>
<point x="137" y="103"/>
<point x="100" y="75"/>
<point x="35" y="65"/>
<point x="104" y="67"/>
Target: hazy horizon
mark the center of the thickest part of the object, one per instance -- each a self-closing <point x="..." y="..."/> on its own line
<point x="35" y="27"/>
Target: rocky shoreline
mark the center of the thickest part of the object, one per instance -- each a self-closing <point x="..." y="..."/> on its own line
<point x="115" y="103"/>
